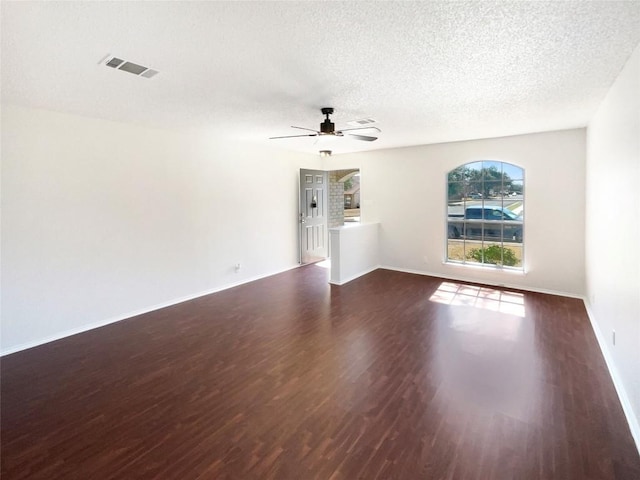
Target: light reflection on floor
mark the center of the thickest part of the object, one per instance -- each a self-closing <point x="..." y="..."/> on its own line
<point x="324" y="264"/>
<point x="485" y="356"/>
<point x="451" y="293"/>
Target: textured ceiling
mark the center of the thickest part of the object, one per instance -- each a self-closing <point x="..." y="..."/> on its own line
<point x="426" y="71"/>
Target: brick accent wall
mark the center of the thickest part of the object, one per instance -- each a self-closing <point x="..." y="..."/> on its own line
<point x="336" y="200"/>
<point x="336" y="197"/>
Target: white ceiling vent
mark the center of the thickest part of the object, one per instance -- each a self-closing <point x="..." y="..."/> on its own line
<point x="125" y="66"/>
<point x="361" y="122"/>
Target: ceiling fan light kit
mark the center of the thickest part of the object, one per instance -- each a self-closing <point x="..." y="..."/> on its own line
<point x="325" y="153"/>
<point x="327" y="127"/>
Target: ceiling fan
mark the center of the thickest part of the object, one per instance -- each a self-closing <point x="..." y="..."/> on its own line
<point x="327" y="127"/>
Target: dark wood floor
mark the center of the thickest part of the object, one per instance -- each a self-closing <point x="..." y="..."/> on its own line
<point x="392" y="376"/>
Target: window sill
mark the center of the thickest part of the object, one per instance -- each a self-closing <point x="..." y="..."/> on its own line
<point x="487" y="267"/>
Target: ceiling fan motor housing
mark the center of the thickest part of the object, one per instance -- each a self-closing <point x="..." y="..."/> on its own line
<point x="327" y="126"/>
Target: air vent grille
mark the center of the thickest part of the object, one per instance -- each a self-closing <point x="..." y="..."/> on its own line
<point x="114" y="62"/>
<point x="132" y="68"/>
<point x="149" y="73"/>
<point x="361" y="122"/>
<point x="126" y="66"/>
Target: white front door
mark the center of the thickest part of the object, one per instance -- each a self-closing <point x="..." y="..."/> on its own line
<point x="313" y="215"/>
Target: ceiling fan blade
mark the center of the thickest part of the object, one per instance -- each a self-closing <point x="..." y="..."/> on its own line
<point x="293" y="136"/>
<point x="360" y="128"/>
<point x="363" y="137"/>
<point x="303" y="128"/>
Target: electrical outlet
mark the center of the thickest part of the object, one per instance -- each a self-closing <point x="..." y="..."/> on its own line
<point x="237" y="267"/>
<point x="614" y="337"/>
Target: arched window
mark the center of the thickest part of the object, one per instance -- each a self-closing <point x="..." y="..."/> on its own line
<point x="485" y="214"/>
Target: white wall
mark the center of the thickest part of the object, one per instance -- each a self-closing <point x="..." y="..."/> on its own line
<point x="354" y="251"/>
<point x="405" y="190"/>
<point x="613" y="232"/>
<point x="101" y="220"/>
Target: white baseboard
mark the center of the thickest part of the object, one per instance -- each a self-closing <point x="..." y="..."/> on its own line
<point x="91" y="326"/>
<point x="353" y="277"/>
<point x="632" y="420"/>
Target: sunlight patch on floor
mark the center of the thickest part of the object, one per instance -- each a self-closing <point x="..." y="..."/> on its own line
<point x="451" y="293"/>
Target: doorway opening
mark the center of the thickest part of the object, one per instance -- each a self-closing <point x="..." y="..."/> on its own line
<point x="344" y="197"/>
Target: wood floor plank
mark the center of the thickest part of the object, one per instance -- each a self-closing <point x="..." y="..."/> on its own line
<point x="391" y="376"/>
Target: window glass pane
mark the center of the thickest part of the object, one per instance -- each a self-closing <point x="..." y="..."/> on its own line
<point x="473" y="226"/>
<point x="455" y="191"/>
<point x="457" y="174"/>
<point x="492" y="253"/>
<point x="455" y="229"/>
<point x="512" y="255"/>
<point x="492" y="170"/>
<point x="473" y="170"/>
<point x="473" y="180"/>
<point x="493" y="192"/>
<point x="512" y="231"/>
<point x="493" y="231"/>
<point x="518" y="187"/>
<point x="512" y="172"/>
<point x="473" y="212"/>
<point x="514" y="208"/>
<point x="507" y="186"/>
<point x="517" y="193"/>
<point x="474" y="251"/>
<point x="455" y="249"/>
<point x="474" y="191"/>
